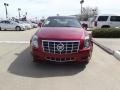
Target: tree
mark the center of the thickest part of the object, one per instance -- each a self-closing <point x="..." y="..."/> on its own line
<point x="87" y="13"/>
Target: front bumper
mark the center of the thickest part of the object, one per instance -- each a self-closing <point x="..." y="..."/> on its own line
<point x="23" y="28"/>
<point x="81" y="56"/>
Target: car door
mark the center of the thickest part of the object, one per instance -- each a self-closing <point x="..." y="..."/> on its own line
<point x="7" y="25"/>
<point x="10" y="25"/>
<point x="3" y="25"/>
<point x="115" y="21"/>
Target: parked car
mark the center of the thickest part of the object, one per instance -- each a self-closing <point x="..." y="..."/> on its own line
<point x="11" y="25"/>
<point x="61" y="39"/>
<point x="34" y="25"/>
<point x="106" y="21"/>
<point x="27" y="25"/>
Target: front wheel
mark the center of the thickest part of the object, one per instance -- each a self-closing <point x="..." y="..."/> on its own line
<point x="0" y="28"/>
<point x="18" y="28"/>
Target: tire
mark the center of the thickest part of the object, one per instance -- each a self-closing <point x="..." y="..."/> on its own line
<point x="18" y="28"/>
<point x="105" y="26"/>
<point x="0" y="28"/>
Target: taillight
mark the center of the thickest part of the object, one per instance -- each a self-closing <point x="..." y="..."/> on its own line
<point x="95" y="23"/>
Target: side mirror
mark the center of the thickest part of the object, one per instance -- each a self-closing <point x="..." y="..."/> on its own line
<point x="40" y="24"/>
<point x="85" y="26"/>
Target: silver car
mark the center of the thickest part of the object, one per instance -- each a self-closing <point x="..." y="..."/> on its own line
<point x="11" y="25"/>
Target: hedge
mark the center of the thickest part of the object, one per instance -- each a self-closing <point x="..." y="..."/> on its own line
<point x="106" y="33"/>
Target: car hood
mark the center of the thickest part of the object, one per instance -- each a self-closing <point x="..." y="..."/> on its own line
<point x="61" y="33"/>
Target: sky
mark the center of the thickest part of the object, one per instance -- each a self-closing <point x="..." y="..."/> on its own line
<point x="45" y="8"/>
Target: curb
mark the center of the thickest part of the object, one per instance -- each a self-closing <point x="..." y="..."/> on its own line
<point x="110" y="51"/>
<point x="116" y="54"/>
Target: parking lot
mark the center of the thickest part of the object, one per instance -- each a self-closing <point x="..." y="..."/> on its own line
<point x="18" y="72"/>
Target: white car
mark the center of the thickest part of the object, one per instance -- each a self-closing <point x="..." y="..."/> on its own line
<point x="106" y="21"/>
<point x="34" y="25"/>
<point x="11" y="25"/>
<point x="27" y="25"/>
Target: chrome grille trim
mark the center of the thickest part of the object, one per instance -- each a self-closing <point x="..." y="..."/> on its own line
<point x="50" y="46"/>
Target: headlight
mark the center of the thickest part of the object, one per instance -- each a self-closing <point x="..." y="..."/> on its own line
<point x="34" y="42"/>
<point x="87" y="42"/>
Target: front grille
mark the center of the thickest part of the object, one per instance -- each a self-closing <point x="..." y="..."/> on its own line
<point x="60" y="47"/>
<point x="60" y="59"/>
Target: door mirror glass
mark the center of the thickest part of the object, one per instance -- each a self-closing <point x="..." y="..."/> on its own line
<point x="40" y="24"/>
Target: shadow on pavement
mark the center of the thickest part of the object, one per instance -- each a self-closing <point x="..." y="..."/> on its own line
<point x="10" y="30"/>
<point x="24" y="66"/>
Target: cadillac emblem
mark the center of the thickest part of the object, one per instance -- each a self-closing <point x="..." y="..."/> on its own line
<point x="60" y="47"/>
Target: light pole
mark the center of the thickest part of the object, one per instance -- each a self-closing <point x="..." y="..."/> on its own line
<point x="26" y="13"/>
<point x="19" y="9"/>
<point x="6" y="4"/>
<point x="81" y="2"/>
<point x="94" y="11"/>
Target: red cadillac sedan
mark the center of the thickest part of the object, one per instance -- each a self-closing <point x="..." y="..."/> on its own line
<point x="61" y="39"/>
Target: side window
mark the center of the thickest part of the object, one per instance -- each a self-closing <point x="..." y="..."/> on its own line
<point x="115" y="18"/>
<point x="102" y="18"/>
<point x="7" y="22"/>
<point x="2" y="22"/>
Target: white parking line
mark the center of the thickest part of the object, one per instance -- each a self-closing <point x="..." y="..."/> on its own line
<point x="15" y="42"/>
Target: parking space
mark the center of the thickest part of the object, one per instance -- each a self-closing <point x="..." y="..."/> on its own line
<point x="17" y="35"/>
<point x="18" y="72"/>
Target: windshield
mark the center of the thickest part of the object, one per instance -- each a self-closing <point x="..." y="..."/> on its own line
<point x="61" y="22"/>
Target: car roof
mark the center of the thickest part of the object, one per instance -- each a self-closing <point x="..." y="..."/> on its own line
<point x="107" y="15"/>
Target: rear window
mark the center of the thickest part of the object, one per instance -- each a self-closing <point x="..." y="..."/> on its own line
<point x="102" y="18"/>
<point x="115" y="18"/>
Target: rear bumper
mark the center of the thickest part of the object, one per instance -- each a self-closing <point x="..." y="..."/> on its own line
<point x="81" y="56"/>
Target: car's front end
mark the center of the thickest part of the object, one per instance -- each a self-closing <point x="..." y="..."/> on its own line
<point x="61" y="44"/>
<point x="22" y="26"/>
<point x="28" y="26"/>
<point x="71" y="52"/>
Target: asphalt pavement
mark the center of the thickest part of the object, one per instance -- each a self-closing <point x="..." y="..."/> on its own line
<point x="113" y="43"/>
<point x="17" y="35"/>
